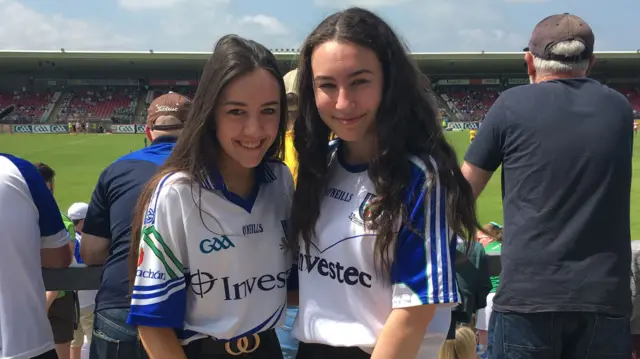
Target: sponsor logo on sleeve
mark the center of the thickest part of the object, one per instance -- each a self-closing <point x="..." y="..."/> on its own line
<point x="150" y="274"/>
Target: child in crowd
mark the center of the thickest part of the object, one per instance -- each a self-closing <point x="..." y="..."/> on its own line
<point x="492" y="242"/>
<point x="462" y="347"/>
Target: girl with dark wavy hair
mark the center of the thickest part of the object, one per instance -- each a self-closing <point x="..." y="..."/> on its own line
<point x="209" y="254"/>
<point x="376" y="212"/>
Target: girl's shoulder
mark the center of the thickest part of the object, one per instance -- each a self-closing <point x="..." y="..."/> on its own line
<point x="276" y="170"/>
<point x="424" y="171"/>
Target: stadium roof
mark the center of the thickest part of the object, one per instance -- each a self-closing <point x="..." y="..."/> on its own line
<point x="461" y="63"/>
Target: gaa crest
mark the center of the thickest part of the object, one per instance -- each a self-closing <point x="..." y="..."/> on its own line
<point x="364" y="211"/>
<point x="365" y="206"/>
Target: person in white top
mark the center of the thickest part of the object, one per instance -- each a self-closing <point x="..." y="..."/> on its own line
<point x="86" y="298"/>
<point x="376" y="213"/>
<point x="32" y="236"/>
<point x="209" y="231"/>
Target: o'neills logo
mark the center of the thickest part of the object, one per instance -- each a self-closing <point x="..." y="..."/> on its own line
<point x="163" y="108"/>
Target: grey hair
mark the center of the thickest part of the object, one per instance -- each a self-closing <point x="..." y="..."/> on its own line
<point x="566" y="48"/>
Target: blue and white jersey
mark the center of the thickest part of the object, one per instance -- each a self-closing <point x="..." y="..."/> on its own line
<point x="343" y="302"/>
<point x="30" y="221"/>
<point x="218" y="271"/>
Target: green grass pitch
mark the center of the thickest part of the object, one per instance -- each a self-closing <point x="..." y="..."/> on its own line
<point x="79" y="159"/>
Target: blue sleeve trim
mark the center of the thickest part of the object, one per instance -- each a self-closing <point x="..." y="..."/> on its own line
<point x="424" y="246"/>
<point x="49" y="219"/>
<point x="168" y="313"/>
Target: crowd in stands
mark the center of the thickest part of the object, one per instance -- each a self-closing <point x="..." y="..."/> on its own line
<point x="120" y="104"/>
<point x="633" y="95"/>
<point x="472" y="103"/>
<point x="28" y="106"/>
<point x="104" y="103"/>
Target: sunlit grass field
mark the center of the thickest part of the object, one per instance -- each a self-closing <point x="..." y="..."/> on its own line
<point x="79" y="159"/>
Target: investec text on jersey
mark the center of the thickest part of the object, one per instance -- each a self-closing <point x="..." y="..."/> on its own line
<point x="236" y="291"/>
<point x="334" y="270"/>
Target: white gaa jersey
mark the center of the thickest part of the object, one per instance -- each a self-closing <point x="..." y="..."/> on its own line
<point x="30" y="221"/>
<point x="342" y="300"/>
<point x="222" y="271"/>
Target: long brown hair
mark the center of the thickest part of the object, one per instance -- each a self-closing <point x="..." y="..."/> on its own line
<point x="195" y="153"/>
<point x="405" y="124"/>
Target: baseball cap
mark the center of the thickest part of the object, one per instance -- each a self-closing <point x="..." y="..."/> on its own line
<point x="558" y="28"/>
<point x="78" y="211"/>
<point x="170" y="104"/>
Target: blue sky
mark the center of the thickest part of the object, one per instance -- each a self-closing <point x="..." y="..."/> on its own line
<point x="194" y="25"/>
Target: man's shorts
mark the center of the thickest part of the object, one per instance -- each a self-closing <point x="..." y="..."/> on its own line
<point x="85" y="327"/>
<point x="62" y="317"/>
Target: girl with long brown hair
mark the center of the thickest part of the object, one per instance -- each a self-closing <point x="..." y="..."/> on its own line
<point x="209" y="257"/>
<point x="376" y="212"/>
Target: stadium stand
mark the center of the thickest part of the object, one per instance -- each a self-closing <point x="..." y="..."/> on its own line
<point x="466" y="103"/>
<point x="467" y="84"/>
<point x="28" y="106"/>
<point x="633" y="94"/>
<point x="471" y="102"/>
<point x="99" y="103"/>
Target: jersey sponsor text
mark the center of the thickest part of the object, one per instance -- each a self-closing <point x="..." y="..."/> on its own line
<point x="334" y="270"/>
<point x="204" y="282"/>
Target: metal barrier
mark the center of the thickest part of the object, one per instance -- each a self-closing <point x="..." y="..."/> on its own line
<point x="89" y="278"/>
<point x="72" y="278"/>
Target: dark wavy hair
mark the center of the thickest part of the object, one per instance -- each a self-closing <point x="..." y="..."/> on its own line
<point x="197" y="149"/>
<point x="405" y="124"/>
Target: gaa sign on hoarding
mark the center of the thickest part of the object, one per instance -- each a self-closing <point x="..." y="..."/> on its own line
<point x="21" y="128"/>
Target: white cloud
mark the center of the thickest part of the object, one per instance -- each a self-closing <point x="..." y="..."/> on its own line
<point x="361" y="3"/>
<point x="23" y="28"/>
<point x="198" y="26"/>
<point x="271" y="25"/>
<point x="459" y="25"/>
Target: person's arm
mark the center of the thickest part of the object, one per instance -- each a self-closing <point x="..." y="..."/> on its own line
<point x="54" y="252"/>
<point x="96" y="231"/>
<point x="486" y="152"/>
<point x="158" y="300"/>
<point x="422" y="275"/>
<point x="403" y="333"/>
<point x="50" y="297"/>
<point x="476" y="176"/>
<point x="94" y="249"/>
<point x="161" y="343"/>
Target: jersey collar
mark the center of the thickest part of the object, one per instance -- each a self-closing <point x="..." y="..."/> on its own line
<point x="215" y="182"/>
